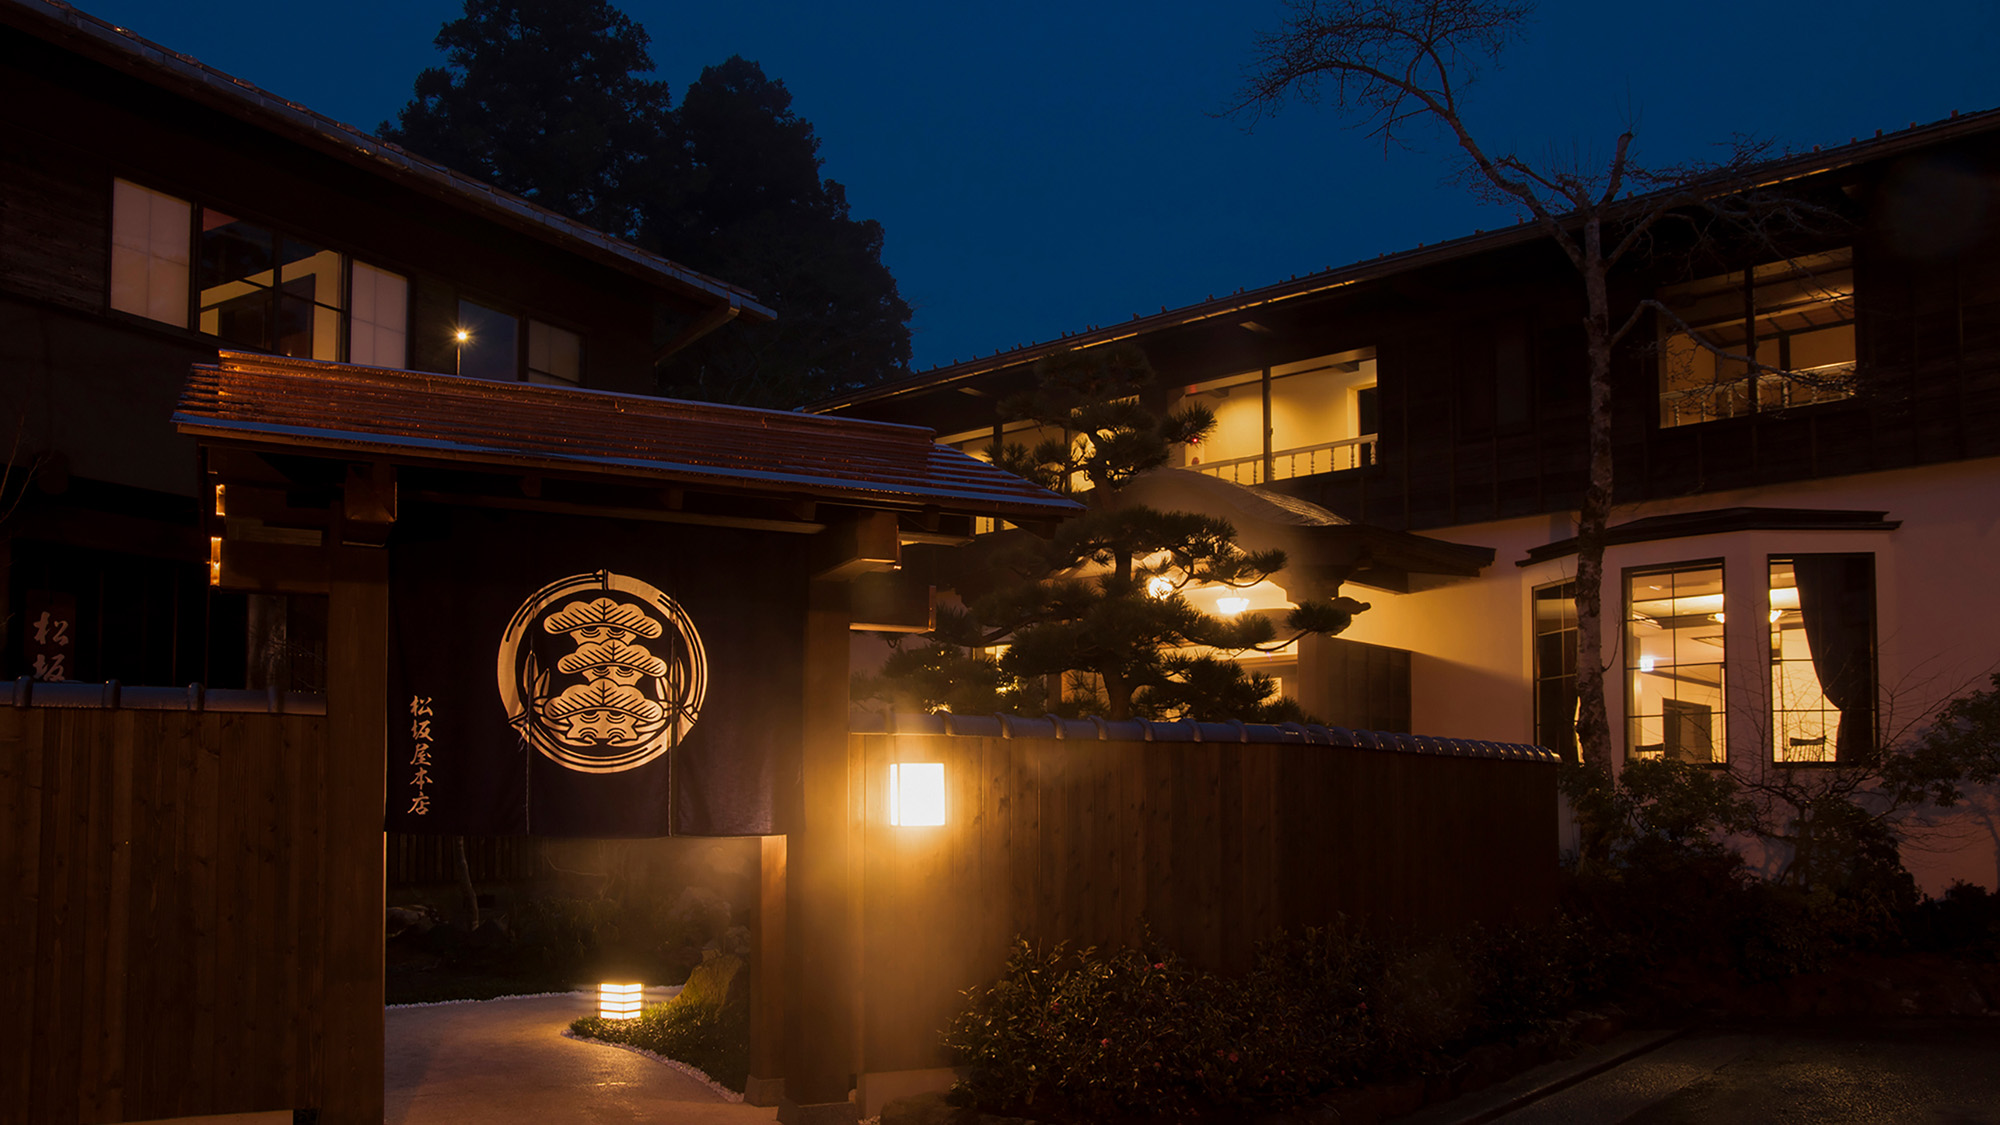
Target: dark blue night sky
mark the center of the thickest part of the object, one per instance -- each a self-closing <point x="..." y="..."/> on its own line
<point x="1044" y="167"/>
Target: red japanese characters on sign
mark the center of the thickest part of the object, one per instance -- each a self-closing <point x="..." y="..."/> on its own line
<point x="51" y="635"/>
<point x="420" y="757"/>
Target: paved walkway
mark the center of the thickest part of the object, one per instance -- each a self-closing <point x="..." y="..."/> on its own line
<point x="502" y="1061"/>
<point x="1878" y="1073"/>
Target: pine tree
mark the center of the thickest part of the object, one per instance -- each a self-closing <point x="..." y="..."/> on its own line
<point x="1100" y="605"/>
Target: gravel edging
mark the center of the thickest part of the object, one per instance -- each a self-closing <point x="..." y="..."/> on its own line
<point x="699" y="1075"/>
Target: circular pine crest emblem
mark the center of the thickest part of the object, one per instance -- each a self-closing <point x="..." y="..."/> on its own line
<point x="601" y="672"/>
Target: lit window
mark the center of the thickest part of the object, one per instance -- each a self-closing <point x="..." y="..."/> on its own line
<point x="149" y="253"/>
<point x="268" y="291"/>
<point x="555" y="355"/>
<point x="1822" y="622"/>
<point x="1796" y="318"/>
<point x="1674" y="663"/>
<point x="378" y="333"/>
<point x="1555" y="668"/>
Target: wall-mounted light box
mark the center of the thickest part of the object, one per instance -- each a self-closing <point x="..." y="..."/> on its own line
<point x="916" y="794"/>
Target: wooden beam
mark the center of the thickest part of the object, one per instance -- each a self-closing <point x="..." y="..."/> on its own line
<point x="866" y="543"/>
<point x="892" y="601"/>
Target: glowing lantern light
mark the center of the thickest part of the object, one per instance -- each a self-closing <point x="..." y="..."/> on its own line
<point x="215" y="560"/>
<point x="618" y="1001"/>
<point x="916" y="794"/>
<point x="1230" y="607"/>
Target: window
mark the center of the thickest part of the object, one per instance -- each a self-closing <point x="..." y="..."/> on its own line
<point x="1555" y="668"/>
<point x="149" y="253"/>
<point x="1822" y="657"/>
<point x="1674" y="662"/>
<point x="269" y="291"/>
<point x="1795" y="317"/>
<point x="254" y="286"/>
<point x="1290" y="420"/>
<point x="555" y="355"/>
<point x="378" y="333"/>
<point x="487" y="343"/>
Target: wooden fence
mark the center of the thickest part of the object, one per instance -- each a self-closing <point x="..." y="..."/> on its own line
<point x="168" y="942"/>
<point x="1216" y="845"/>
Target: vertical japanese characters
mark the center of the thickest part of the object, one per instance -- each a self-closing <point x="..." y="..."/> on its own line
<point x="420" y="756"/>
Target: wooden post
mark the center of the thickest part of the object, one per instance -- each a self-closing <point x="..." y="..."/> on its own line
<point x="822" y="1003"/>
<point x="766" y="1083"/>
<point x="356" y="778"/>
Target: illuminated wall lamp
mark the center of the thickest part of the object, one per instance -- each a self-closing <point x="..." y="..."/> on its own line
<point x="916" y="794"/>
<point x="618" y="1001"/>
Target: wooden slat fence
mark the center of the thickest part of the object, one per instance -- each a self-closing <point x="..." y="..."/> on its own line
<point x="1214" y="845"/>
<point x="162" y="948"/>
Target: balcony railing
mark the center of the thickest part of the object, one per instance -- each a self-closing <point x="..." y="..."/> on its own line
<point x="1305" y="461"/>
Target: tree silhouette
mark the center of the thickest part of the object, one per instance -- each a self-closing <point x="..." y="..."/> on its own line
<point x="547" y="99"/>
<point x="753" y="208"/>
<point x="1401" y="64"/>
<point x="550" y="100"/>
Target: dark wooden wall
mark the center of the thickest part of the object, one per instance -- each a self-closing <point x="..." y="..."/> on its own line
<point x="1215" y="846"/>
<point x="167" y="944"/>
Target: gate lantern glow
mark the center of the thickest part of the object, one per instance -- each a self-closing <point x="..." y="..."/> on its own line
<point x="916" y="794"/>
<point x="618" y="1001"/>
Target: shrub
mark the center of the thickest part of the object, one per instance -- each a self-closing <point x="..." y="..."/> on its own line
<point x="713" y="1039"/>
<point x="1100" y="1036"/>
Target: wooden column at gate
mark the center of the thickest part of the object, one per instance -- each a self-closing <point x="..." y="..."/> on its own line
<point x="822" y="1007"/>
<point x="356" y="780"/>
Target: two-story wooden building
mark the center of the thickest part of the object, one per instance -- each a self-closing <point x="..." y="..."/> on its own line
<point x="154" y="210"/>
<point x="1796" y="562"/>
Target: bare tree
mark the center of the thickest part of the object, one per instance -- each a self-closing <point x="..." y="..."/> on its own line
<point x="1403" y="64"/>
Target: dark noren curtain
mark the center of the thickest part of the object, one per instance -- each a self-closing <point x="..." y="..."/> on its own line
<point x="1837" y="607"/>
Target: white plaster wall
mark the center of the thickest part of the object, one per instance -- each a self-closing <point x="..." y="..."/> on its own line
<point x="1937" y="622"/>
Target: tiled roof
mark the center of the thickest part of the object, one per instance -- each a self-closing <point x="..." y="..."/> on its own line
<point x="418" y="417"/>
<point x="1144" y="730"/>
<point x="169" y="69"/>
<point x="1793" y="166"/>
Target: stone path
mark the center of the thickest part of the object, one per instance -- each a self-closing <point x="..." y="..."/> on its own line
<point x="505" y="1061"/>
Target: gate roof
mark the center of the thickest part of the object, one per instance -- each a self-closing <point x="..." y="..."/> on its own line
<point x="420" y="417"/>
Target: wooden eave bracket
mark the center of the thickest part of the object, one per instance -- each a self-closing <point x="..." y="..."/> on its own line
<point x="264" y="537"/>
<point x="864" y="543"/>
<point x="891" y="601"/>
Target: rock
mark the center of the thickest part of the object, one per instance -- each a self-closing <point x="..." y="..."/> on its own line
<point x="720" y="982"/>
<point x="398" y="920"/>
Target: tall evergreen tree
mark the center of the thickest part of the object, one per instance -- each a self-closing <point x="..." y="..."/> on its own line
<point x="753" y="208"/>
<point x="547" y="99"/>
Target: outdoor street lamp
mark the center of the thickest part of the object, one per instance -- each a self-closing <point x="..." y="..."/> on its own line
<point x="460" y="337"/>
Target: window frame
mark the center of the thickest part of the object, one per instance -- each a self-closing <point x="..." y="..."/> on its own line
<point x="1775" y="659"/>
<point x="1745" y="283"/>
<point x="1564" y="591"/>
<point x="1631" y="665"/>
